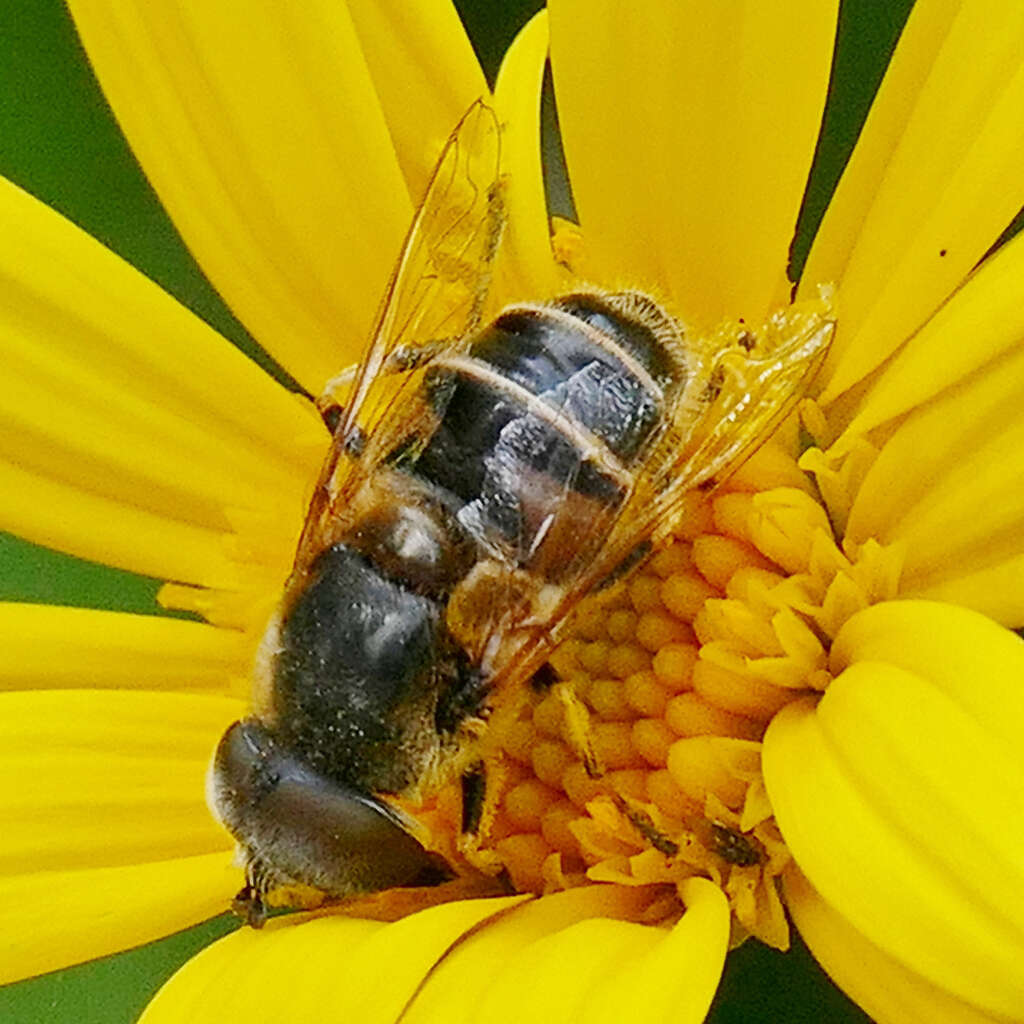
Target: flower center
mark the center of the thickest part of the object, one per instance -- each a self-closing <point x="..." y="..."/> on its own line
<point x="640" y="765"/>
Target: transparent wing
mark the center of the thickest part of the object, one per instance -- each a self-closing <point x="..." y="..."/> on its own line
<point x="438" y="287"/>
<point x="432" y="302"/>
<point x="739" y="384"/>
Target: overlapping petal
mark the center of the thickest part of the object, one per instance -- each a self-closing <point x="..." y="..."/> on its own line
<point x="901" y="795"/>
<point x="948" y="484"/>
<point x="982" y="321"/>
<point x="53" y="648"/>
<point x="935" y="177"/>
<point x="425" y="75"/>
<point x="675" y="978"/>
<point x="50" y="919"/>
<point x="879" y="983"/>
<point x="689" y="130"/>
<point x="461" y="988"/>
<point x="130" y="430"/>
<point x="99" y="778"/>
<point x="574" y="953"/>
<point x="299" y="964"/>
<point x="600" y="969"/>
<point x="107" y="840"/>
<point x="526" y="269"/>
<point x="271" y="155"/>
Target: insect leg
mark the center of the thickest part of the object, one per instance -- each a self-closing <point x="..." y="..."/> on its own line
<point x="331" y="401"/>
<point x="577" y="728"/>
<point x="248" y="903"/>
<point x="474" y="796"/>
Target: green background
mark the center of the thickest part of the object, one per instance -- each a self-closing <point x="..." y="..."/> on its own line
<point x="59" y="141"/>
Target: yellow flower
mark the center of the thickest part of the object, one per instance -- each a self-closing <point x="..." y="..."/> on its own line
<point x="812" y="690"/>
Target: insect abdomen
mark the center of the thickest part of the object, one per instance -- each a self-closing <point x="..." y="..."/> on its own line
<point x="546" y="417"/>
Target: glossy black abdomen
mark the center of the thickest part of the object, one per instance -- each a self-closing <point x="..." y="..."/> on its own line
<point x="540" y="391"/>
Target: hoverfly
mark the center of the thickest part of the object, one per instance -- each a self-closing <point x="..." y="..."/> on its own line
<point x="482" y="479"/>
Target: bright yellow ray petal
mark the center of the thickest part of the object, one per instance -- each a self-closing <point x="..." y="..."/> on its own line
<point x="131" y="446"/>
<point x="676" y="978"/>
<point x="389" y="968"/>
<point x="101" y="437"/>
<point x="425" y="74"/>
<point x="50" y="919"/>
<point x="286" y="972"/>
<point x="102" y="778"/>
<point x="526" y="269"/>
<point x="882" y="986"/>
<point x="59" y="515"/>
<point x="887" y="795"/>
<point x="994" y="591"/>
<point x="59" y="648"/>
<point x="260" y="128"/>
<point x="941" y="159"/>
<point x="948" y="483"/>
<point x="550" y="978"/>
<point x="881" y="880"/>
<point x="458" y="983"/>
<point x="981" y="670"/>
<point x="689" y="140"/>
<point x="78" y="318"/>
<point x="923" y="35"/>
<point x="331" y="967"/>
<point x="982" y="321"/>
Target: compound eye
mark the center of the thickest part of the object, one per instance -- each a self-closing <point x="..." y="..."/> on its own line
<point x="307" y="828"/>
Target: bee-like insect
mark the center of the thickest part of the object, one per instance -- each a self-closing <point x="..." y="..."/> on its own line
<point x="481" y="481"/>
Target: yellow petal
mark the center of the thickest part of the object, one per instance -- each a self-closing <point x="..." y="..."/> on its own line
<point x="994" y="590"/>
<point x="934" y="179"/>
<point x="48" y="647"/>
<point x="987" y="311"/>
<point x="526" y="269"/>
<point x="260" y="128"/>
<point x="123" y="445"/>
<point x="905" y="809"/>
<point x="101" y="778"/>
<point x="967" y="657"/>
<point x="455" y="987"/>
<point x="881" y="985"/>
<point x="59" y="515"/>
<point x="689" y="130"/>
<point x="80" y="318"/>
<point x="947" y="483"/>
<point x="922" y="37"/>
<point x="51" y="919"/>
<point x="330" y="967"/>
<point x="425" y="75"/>
<point x="550" y="978"/>
<point x="675" y="979"/>
<point x="570" y="956"/>
<point x="397" y="960"/>
<point x="98" y="435"/>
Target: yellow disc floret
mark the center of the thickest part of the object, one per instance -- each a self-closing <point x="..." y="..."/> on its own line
<point x="641" y="765"/>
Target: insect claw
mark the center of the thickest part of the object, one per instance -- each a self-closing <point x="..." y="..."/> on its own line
<point x="249" y="906"/>
<point x="330" y="413"/>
